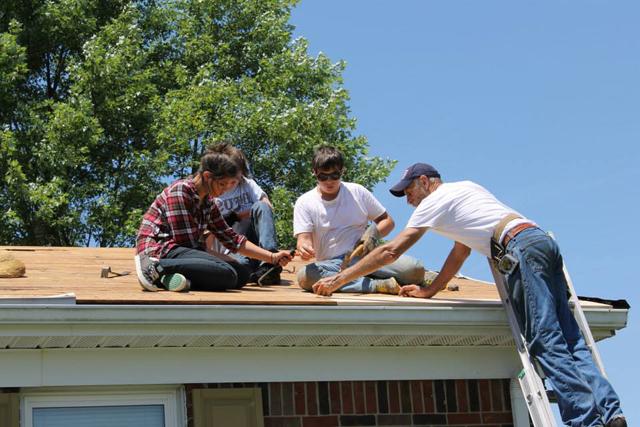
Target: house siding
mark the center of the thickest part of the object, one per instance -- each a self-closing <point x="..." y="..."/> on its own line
<point x="379" y="403"/>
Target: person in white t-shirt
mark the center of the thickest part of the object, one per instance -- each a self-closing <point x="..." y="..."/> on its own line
<point x="474" y="219"/>
<point x="248" y="210"/>
<point x="330" y="220"/>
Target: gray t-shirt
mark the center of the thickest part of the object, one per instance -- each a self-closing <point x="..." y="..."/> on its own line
<point x="239" y="199"/>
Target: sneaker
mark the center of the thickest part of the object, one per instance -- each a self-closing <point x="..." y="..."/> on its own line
<point x="619" y="421"/>
<point x="385" y="286"/>
<point x="429" y="277"/>
<point x="148" y="271"/>
<point x="175" y="282"/>
<point x="273" y="278"/>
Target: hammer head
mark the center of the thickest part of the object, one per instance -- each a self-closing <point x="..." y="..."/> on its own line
<point x="356" y="252"/>
<point x="104" y="272"/>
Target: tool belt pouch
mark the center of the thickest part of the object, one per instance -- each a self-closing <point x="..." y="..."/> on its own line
<point x="505" y="262"/>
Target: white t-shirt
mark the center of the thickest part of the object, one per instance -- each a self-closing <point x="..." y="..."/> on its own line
<point x="465" y="212"/>
<point x="240" y="199"/>
<point x="336" y="225"/>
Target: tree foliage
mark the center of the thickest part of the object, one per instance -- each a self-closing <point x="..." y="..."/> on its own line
<point x="102" y="103"/>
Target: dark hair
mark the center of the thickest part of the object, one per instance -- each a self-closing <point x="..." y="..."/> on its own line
<point x="236" y="155"/>
<point x="220" y="164"/>
<point x="328" y="157"/>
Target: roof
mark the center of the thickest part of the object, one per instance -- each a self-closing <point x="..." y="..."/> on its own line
<point x="115" y="312"/>
<point x="64" y="270"/>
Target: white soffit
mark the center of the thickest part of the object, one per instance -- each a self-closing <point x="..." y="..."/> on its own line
<point x="147" y="326"/>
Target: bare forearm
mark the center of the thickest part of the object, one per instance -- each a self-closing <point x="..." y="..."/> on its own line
<point x="376" y="259"/>
<point x="451" y="266"/>
<point x="256" y="252"/>
<point x="379" y="257"/>
<point x="385" y="226"/>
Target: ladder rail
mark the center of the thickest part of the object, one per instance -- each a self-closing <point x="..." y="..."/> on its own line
<point x="581" y="319"/>
<point x="530" y="382"/>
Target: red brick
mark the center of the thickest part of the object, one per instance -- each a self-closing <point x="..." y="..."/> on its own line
<point x="506" y="394"/>
<point x="427" y="394"/>
<point x="405" y="396"/>
<point x="275" y="399"/>
<point x="299" y="398"/>
<point x="485" y="395"/>
<point x="347" y="397"/>
<point x="371" y="397"/>
<point x="461" y="395"/>
<point x="497" y="417"/>
<point x="472" y="418"/>
<point x="288" y="402"/>
<point x="394" y="420"/>
<point x="282" y="422"/>
<point x="417" y="404"/>
<point x="496" y="395"/>
<point x="358" y="397"/>
<point x="334" y="397"/>
<point x="312" y="400"/>
<point x="394" y="397"/>
<point x="324" y="421"/>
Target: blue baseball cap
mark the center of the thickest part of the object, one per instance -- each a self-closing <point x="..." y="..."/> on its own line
<point x="411" y="173"/>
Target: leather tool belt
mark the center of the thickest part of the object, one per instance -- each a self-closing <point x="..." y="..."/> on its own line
<point x="505" y="262"/>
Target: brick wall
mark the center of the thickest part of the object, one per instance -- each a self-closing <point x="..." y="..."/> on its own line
<point x="380" y="403"/>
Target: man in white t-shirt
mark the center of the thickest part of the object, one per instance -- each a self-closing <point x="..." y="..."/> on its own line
<point x="474" y="219"/>
<point x="330" y="220"/>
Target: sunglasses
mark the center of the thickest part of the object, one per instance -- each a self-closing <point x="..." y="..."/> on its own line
<point x="328" y="176"/>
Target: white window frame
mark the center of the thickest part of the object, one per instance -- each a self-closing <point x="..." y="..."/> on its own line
<point x="172" y="398"/>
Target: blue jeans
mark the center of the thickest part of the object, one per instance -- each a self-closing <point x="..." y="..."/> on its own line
<point x="406" y="270"/>
<point x="538" y="289"/>
<point x="262" y="232"/>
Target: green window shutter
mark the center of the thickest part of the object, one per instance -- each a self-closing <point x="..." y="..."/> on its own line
<point x="240" y="407"/>
<point x="9" y="410"/>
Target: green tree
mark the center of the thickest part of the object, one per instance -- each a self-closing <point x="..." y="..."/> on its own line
<point x="103" y="103"/>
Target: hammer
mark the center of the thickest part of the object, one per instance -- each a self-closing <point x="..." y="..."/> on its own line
<point x="292" y="252"/>
<point x="356" y="252"/>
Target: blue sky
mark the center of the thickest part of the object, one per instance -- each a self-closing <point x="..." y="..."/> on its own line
<point x="537" y="101"/>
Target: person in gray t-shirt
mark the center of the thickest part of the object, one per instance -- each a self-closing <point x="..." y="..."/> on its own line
<point x="248" y="210"/>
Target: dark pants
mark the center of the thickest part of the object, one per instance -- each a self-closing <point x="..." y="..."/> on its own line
<point x="206" y="272"/>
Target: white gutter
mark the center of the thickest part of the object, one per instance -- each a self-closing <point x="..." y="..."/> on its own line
<point x="33" y="326"/>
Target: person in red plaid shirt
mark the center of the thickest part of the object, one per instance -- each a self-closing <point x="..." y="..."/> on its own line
<point x="170" y="245"/>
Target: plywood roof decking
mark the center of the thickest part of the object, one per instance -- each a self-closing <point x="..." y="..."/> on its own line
<point x="55" y="271"/>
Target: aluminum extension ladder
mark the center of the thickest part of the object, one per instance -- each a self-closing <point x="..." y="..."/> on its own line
<point x="530" y="381"/>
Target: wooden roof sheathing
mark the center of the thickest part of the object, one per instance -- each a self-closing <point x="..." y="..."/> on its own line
<point x="68" y="270"/>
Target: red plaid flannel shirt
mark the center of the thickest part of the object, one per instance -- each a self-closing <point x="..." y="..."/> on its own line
<point x="177" y="218"/>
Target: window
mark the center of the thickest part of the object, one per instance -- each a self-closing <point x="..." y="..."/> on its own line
<point x="104" y="408"/>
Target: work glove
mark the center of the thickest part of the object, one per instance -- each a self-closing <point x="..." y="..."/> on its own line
<point x="370" y="239"/>
<point x="231" y="218"/>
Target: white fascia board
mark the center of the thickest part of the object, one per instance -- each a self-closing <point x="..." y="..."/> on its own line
<point x="480" y="314"/>
<point x="488" y="314"/>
